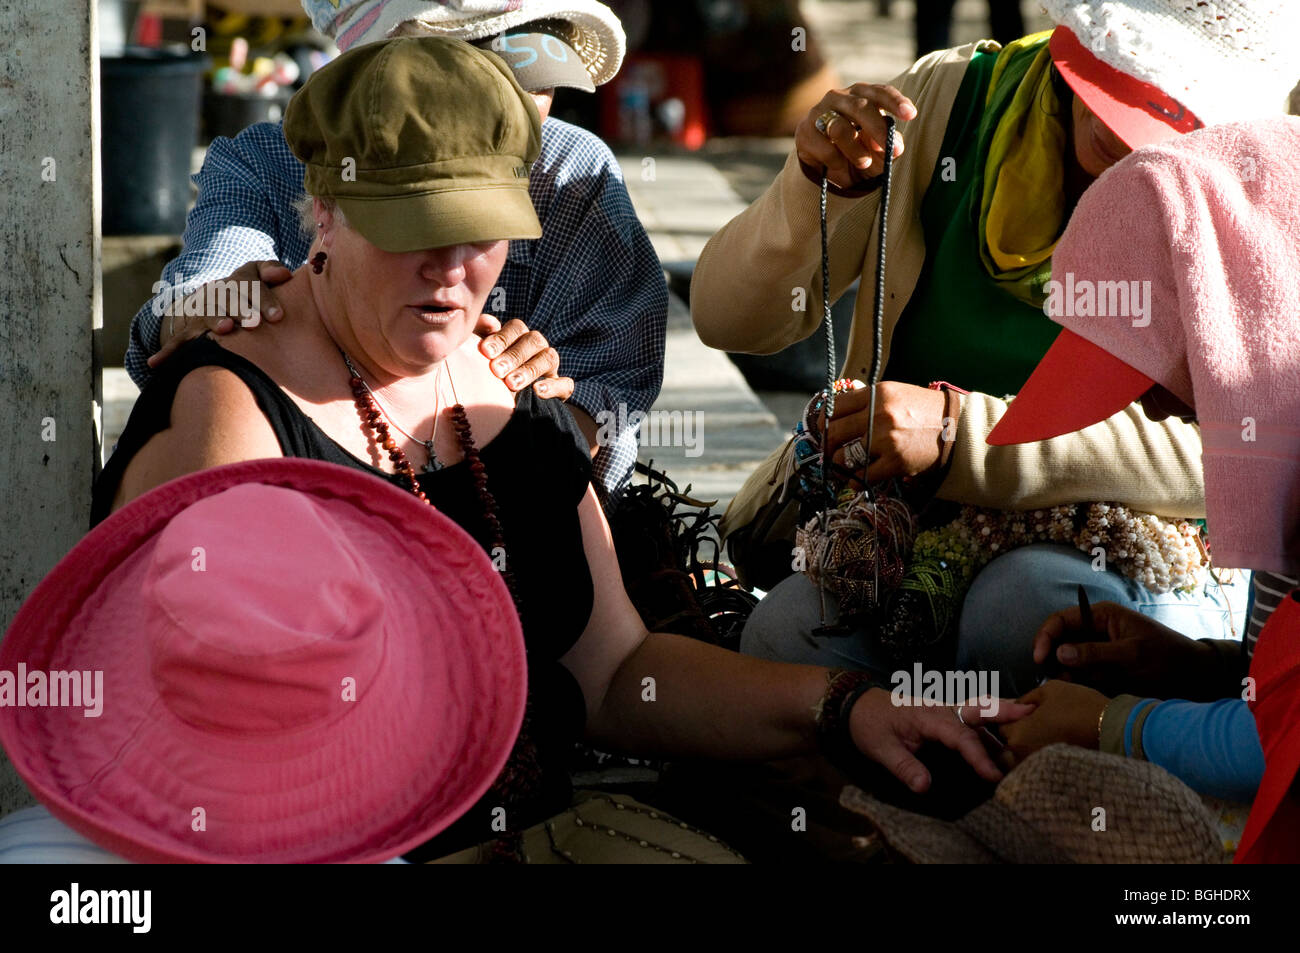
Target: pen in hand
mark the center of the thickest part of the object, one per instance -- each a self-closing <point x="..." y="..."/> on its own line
<point x="1085" y="610"/>
<point x="1052" y="667"/>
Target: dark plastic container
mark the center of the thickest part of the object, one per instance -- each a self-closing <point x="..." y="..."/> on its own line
<point x="149" y="114"/>
<point x="227" y="114"/>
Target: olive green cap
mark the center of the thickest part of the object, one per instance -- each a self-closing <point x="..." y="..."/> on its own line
<point x="423" y="141"/>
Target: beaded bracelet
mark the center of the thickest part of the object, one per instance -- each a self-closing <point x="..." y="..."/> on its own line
<point x="843" y="689"/>
<point x="807" y="442"/>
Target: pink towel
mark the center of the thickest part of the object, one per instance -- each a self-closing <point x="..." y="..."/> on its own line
<point x="1212" y="221"/>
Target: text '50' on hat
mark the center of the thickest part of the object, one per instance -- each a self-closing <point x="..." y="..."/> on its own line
<point x="541" y="56"/>
<point x="422" y="141"/>
<point x="300" y="663"/>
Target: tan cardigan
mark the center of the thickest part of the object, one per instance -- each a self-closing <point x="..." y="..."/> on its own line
<point x="742" y="296"/>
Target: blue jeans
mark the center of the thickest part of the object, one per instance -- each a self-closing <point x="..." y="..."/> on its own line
<point x="1006" y="605"/>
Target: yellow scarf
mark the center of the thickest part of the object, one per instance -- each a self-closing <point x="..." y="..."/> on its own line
<point x="1023" y="138"/>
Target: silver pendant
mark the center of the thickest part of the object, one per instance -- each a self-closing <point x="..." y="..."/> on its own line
<point x="434" y="464"/>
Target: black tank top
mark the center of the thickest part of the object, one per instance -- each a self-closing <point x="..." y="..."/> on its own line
<point x="537" y="469"/>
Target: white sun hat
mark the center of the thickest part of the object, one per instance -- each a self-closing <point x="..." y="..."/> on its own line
<point x="1220" y="61"/>
<point x="591" y="28"/>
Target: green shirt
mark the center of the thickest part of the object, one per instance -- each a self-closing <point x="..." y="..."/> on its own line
<point x="959" y="325"/>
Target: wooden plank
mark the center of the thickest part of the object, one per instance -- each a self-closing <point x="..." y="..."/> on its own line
<point x="191" y="10"/>
<point x="289" y="9"/>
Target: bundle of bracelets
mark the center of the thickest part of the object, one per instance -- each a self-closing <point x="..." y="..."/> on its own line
<point x="831" y="716"/>
<point x="807" y="443"/>
<point x="908" y="586"/>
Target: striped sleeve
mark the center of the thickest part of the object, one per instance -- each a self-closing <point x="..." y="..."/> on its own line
<point x="1269" y="589"/>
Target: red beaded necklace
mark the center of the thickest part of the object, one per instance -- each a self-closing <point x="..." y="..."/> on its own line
<point x="521" y="776"/>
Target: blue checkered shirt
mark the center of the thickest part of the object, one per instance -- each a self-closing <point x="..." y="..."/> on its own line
<point x="591" y="284"/>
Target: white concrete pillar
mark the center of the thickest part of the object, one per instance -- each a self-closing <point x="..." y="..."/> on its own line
<point x="49" y="291"/>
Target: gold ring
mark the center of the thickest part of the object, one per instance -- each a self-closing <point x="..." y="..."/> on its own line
<point x="823" y="122"/>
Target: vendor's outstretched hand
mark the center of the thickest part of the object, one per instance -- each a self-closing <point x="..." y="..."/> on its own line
<point x="1127" y="652"/>
<point x="1063" y="712"/>
<point x="890" y="734"/>
<point x="520" y="356"/>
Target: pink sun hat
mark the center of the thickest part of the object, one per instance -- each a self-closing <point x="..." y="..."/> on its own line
<point x="300" y="663"/>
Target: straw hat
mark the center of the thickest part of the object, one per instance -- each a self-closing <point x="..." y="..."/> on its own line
<point x="299" y="663"/>
<point x="593" y="29"/>
<point x="1046" y="812"/>
<point x="1151" y="69"/>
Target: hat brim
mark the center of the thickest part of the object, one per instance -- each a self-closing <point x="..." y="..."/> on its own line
<point x="540" y="61"/>
<point x="422" y="743"/>
<point x="1139" y="113"/>
<point x="407" y="223"/>
<point x="597" y="35"/>
<point x="918" y="838"/>
<point x="1075" y="385"/>
<point x="1039" y="815"/>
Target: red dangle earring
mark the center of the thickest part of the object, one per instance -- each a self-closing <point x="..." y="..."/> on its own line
<point x="318" y="260"/>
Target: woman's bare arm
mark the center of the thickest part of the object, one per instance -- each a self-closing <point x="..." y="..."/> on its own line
<point x="214" y="420"/>
<point x="660" y="694"/>
<point x="707" y="701"/>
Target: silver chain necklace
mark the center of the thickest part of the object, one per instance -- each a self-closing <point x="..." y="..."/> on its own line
<point x="433" y="464"/>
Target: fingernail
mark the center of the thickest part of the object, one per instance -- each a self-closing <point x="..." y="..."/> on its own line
<point x="516" y="379"/>
<point x="1067" y="654"/>
<point x="917" y="781"/>
<point x="499" y="367"/>
<point x="493" y="348"/>
<point x="542" y="387"/>
<point x="273" y="311"/>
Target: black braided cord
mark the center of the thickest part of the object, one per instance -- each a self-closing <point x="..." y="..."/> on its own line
<point x="878" y="320"/>
<point x="828" y="409"/>
<point x="877" y="317"/>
